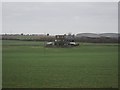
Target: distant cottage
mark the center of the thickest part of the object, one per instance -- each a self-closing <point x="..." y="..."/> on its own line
<point x="63" y="41"/>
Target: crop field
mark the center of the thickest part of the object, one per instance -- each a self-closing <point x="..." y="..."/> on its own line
<point x="28" y="64"/>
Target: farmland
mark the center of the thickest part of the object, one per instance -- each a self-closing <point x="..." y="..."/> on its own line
<point x="30" y="65"/>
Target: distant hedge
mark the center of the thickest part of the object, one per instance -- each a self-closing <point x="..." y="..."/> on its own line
<point x="52" y="38"/>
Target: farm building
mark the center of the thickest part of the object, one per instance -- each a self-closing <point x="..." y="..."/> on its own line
<point x="63" y="41"/>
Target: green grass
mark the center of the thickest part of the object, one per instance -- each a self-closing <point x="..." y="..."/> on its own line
<point x="28" y="64"/>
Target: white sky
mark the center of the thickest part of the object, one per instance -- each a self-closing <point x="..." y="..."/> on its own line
<point x="60" y="0"/>
<point x="60" y="17"/>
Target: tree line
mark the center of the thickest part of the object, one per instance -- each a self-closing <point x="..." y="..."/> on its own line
<point x="52" y="38"/>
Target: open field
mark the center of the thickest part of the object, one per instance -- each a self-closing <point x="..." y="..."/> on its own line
<point x="28" y="64"/>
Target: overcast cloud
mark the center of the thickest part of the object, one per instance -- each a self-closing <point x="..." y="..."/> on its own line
<point x="60" y="17"/>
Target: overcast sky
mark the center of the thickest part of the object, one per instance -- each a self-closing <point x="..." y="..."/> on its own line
<point x="60" y="17"/>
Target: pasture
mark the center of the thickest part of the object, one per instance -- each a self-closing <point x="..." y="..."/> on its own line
<point x="27" y="64"/>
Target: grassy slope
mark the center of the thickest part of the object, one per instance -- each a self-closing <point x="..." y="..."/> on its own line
<point x="35" y="66"/>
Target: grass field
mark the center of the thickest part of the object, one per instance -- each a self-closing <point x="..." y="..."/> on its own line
<point x="28" y="64"/>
